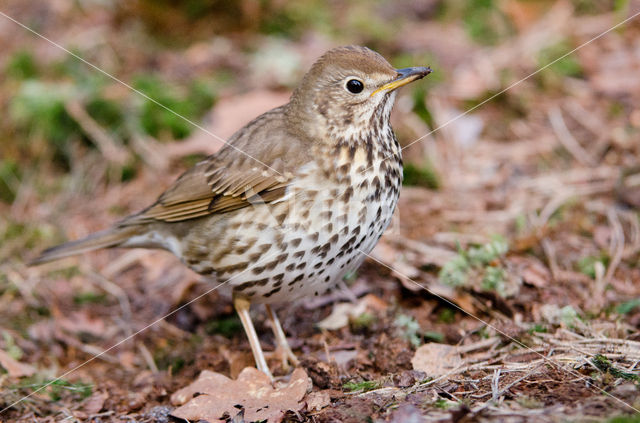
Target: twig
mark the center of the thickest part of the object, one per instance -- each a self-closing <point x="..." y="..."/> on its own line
<point x="616" y="245"/>
<point x="109" y="148"/>
<point x="495" y="385"/>
<point x="148" y="358"/>
<point x="567" y="139"/>
<point x="117" y="292"/>
<point x="634" y="233"/>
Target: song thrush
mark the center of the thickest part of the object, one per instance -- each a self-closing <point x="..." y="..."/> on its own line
<point x="288" y="206"/>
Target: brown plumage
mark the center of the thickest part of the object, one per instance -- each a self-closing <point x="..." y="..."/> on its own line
<point x="287" y="207"/>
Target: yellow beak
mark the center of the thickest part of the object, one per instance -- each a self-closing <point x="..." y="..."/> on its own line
<point x="405" y="76"/>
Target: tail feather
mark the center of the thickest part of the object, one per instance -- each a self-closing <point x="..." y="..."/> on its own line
<point x="104" y="239"/>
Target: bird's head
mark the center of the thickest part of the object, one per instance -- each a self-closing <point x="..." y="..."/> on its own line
<point x="347" y="90"/>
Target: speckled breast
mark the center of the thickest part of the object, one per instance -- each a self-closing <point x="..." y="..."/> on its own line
<point x="335" y="210"/>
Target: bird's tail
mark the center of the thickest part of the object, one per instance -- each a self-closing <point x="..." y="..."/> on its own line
<point x="108" y="238"/>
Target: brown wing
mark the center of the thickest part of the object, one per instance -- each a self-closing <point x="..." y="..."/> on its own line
<point x="241" y="174"/>
<point x="211" y="188"/>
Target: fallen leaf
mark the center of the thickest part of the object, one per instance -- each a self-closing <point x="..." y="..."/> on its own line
<point x="14" y="367"/>
<point x="537" y="275"/>
<point x="436" y="359"/>
<point x="318" y="400"/>
<point x="342" y="312"/>
<point x="81" y="322"/>
<point x="214" y="397"/>
<point x="94" y="403"/>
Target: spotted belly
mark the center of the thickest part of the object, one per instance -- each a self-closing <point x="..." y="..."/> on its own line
<point x="304" y="243"/>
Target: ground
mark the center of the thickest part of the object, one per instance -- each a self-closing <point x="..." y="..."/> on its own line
<point x="506" y="289"/>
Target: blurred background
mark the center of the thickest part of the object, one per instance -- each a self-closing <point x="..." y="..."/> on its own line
<point x="524" y="206"/>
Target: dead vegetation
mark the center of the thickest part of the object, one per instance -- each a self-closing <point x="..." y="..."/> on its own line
<point x="507" y="288"/>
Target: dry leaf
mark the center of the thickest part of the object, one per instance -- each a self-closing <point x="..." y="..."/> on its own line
<point x="94" y="403"/>
<point x="219" y="397"/>
<point x="436" y="359"/>
<point x="14" y="367"/>
<point x="342" y="312"/>
<point x="318" y="400"/>
<point x="81" y="322"/>
<point x="536" y="274"/>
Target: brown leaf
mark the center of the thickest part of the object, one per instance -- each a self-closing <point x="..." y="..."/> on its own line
<point x="534" y="273"/>
<point x="436" y="359"/>
<point x="14" y="367"/>
<point x="94" y="403"/>
<point x="343" y="312"/>
<point x="218" y="396"/>
<point x="318" y="400"/>
<point x="81" y="322"/>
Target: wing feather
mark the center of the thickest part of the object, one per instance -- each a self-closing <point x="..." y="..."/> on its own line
<point x="230" y="180"/>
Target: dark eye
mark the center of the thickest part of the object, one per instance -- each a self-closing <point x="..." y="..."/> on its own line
<point x="354" y="86"/>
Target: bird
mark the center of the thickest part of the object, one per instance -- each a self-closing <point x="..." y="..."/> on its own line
<point x="293" y="201"/>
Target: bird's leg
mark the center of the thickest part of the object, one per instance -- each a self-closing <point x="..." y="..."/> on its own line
<point x="242" y="308"/>
<point x="283" y="346"/>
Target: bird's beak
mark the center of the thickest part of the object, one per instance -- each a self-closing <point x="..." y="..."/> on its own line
<point x="404" y="77"/>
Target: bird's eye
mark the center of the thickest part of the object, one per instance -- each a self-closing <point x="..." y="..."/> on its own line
<point x="354" y="86"/>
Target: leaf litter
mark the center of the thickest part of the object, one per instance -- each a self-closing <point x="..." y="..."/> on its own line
<point x="550" y="166"/>
<point x="215" y="397"/>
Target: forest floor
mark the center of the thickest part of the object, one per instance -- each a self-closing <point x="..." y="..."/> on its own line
<point x="506" y="289"/>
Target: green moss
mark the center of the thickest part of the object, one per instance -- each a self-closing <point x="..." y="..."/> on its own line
<point x="55" y="388"/>
<point x="635" y="418"/>
<point x="66" y="273"/>
<point x="494" y="279"/>
<point x="424" y="176"/>
<point x="484" y="22"/>
<point x="108" y="113"/>
<point x="444" y="404"/>
<point x="409" y="328"/>
<point x="226" y="326"/>
<point x="567" y="66"/>
<point x="628" y="306"/>
<point x="538" y="328"/>
<point x="587" y="265"/>
<point x="447" y="315"/>
<point x="363" y="321"/>
<point x="39" y="110"/>
<point x="293" y="19"/>
<point x="159" y="121"/>
<point x="9" y="179"/>
<point x="128" y="172"/>
<point x="21" y="65"/>
<point x="603" y="363"/>
<point x="89" y="297"/>
<point x="434" y="336"/>
<point x="483" y="260"/>
<point x="364" y="386"/>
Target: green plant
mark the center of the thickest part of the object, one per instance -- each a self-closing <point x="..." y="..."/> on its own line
<point x="364" y="386"/>
<point x="409" y="328"/>
<point x="56" y="388"/>
<point x="423" y="176"/>
<point x="225" y="326"/>
<point x="159" y="121"/>
<point x="478" y="262"/>
<point x="628" y="306"/>
<point x="587" y="265"/>
<point x="21" y="65"/>
<point x="605" y="365"/>
<point x="363" y="321"/>
<point x="447" y="315"/>
<point x="9" y="178"/>
<point x="484" y="21"/>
